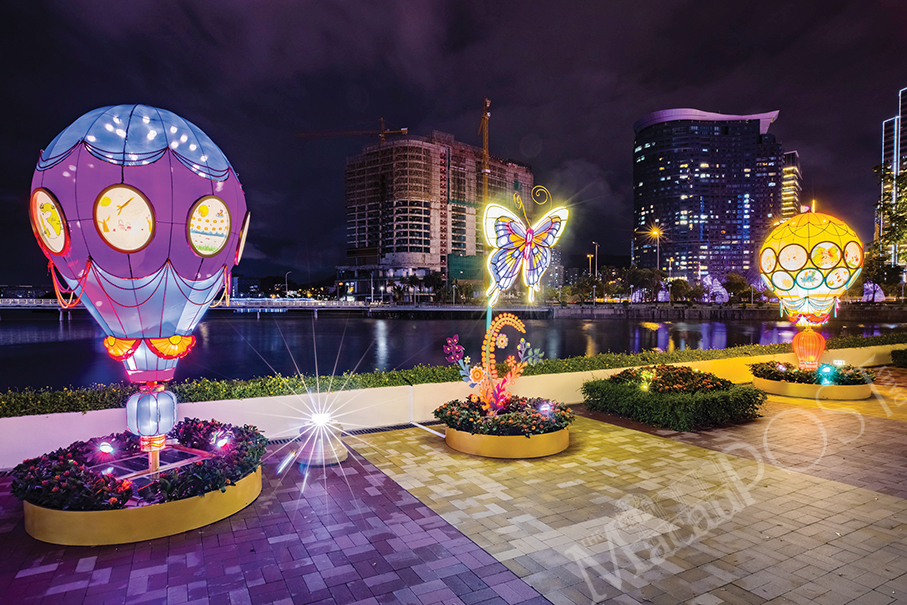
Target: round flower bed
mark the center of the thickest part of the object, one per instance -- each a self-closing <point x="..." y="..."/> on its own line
<point x="71" y="497"/>
<point x="522" y="428"/>
<point x="828" y="382"/>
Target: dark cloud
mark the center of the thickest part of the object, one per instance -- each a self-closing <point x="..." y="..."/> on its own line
<point x="567" y="81"/>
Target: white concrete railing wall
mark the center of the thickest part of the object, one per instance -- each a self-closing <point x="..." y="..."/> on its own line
<point x="29" y="436"/>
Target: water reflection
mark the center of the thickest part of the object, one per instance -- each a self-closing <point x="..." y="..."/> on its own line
<point x="42" y="351"/>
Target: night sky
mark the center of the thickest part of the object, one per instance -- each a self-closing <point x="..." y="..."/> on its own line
<point x="566" y="79"/>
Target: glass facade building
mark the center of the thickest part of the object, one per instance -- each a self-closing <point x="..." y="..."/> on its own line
<point x="894" y="156"/>
<point x="706" y="191"/>
<point x="791" y="185"/>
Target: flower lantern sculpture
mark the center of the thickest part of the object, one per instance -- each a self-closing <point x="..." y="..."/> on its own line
<point x="143" y="218"/>
<point x="809" y="260"/>
<point x="493" y="388"/>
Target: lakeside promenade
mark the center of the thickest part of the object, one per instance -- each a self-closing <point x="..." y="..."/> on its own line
<point x="807" y="504"/>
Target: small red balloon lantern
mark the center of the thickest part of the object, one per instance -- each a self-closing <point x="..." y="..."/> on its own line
<point x="808" y="346"/>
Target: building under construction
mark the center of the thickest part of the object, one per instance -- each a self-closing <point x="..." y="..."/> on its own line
<point x="411" y="202"/>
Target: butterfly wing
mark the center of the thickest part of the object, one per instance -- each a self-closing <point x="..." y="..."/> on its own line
<point x="506" y="235"/>
<point x="546" y="231"/>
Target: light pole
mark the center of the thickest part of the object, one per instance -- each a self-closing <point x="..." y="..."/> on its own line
<point x="671" y="268"/>
<point x="657" y="233"/>
<point x="593" y="295"/>
<point x="589" y="256"/>
<point x="596" y="258"/>
<point x="286" y="284"/>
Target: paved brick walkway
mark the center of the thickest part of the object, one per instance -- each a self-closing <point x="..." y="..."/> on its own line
<point x="342" y="536"/>
<point x="805" y="505"/>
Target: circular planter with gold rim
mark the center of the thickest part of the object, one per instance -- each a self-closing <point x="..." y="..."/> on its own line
<point x="843" y="392"/>
<point x="508" y="446"/>
<point x="122" y="526"/>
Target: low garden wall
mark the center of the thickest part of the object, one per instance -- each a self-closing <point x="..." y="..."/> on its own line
<point x="281" y="416"/>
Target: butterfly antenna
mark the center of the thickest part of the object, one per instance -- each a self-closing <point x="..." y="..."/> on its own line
<point x="518" y="202"/>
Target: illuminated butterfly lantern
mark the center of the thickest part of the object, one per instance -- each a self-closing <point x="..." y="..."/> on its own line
<point x="809" y="260"/>
<point x="517" y="248"/>
<point x="143" y="218"/>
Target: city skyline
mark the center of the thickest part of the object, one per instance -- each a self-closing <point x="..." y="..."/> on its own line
<point x="566" y="87"/>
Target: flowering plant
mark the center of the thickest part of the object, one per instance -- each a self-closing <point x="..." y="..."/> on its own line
<point x="75" y="477"/>
<point x="61" y="480"/>
<point x="671" y="379"/>
<point x="826" y="374"/>
<point x="493" y="393"/>
<point x="517" y="416"/>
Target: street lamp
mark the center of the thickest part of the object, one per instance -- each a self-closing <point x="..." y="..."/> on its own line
<point x="657" y="233"/>
<point x="671" y="268"/>
<point x="596" y="258"/>
<point x="286" y="284"/>
<point x="589" y="256"/>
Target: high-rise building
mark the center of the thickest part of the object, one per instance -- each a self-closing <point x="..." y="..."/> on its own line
<point x="706" y="190"/>
<point x="791" y="185"/>
<point x="411" y="202"/>
<point x="894" y="154"/>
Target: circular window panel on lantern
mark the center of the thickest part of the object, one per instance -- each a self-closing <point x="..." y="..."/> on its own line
<point x="48" y="222"/>
<point x="124" y="218"/>
<point x="826" y="255"/>
<point x="792" y="257"/>
<point x="208" y="228"/>
<point x="853" y="255"/>
<point x="768" y="259"/>
<point x="242" y="237"/>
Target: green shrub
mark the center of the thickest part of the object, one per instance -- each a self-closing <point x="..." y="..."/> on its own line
<point x="676" y="411"/>
<point x="826" y="374"/>
<point x="28" y="402"/>
<point x="899" y="358"/>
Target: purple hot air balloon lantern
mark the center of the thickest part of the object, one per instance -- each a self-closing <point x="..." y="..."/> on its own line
<point x="143" y="218"/>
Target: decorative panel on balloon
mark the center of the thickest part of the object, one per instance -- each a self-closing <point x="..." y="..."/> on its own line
<point x="124" y="218"/>
<point x="48" y="222"/>
<point x="209" y="226"/>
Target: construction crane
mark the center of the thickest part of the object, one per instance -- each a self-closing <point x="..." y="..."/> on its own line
<point x="381" y="133"/>
<point x="483" y="130"/>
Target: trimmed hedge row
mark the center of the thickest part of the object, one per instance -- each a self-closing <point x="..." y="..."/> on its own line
<point x="899" y="358"/>
<point x="28" y="402"/>
<point x="676" y="411"/>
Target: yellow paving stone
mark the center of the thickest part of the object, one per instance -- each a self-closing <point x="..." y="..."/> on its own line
<point x="619" y="504"/>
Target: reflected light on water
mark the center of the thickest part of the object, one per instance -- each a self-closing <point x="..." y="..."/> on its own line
<point x="381" y="343"/>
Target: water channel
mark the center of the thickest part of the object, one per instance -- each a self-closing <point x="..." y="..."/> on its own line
<point x="37" y="350"/>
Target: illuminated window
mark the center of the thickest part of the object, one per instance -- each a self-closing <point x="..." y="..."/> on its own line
<point x="124" y="218"/>
<point x="48" y="222"/>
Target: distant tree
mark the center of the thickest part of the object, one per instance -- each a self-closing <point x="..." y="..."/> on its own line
<point x="878" y="269"/>
<point x="892" y="212"/>
<point x="680" y="288"/>
<point x="696" y="292"/>
<point x="735" y="284"/>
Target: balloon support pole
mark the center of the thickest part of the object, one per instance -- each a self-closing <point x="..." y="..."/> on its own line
<point x="154" y="461"/>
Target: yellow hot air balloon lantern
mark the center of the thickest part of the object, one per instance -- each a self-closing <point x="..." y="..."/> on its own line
<point x="809" y="260"/>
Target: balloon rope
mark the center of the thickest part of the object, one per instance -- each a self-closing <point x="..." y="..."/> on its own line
<point x="118" y="303"/>
<point x="60" y="291"/>
<point x="225" y="299"/>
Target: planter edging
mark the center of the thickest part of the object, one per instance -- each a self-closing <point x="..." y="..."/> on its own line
<point x="843" y="392"/>
<point x="511" y="447"/>
<point x="138" y="524"/>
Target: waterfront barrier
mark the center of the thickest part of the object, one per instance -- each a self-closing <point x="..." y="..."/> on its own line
<point x="282" y="416"/>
